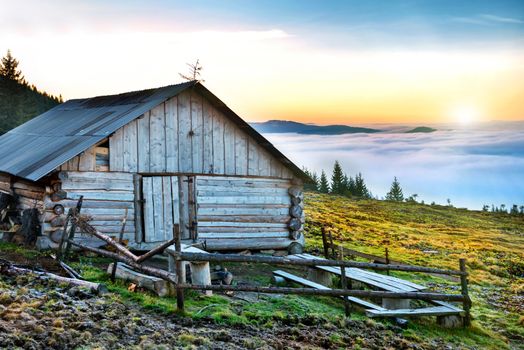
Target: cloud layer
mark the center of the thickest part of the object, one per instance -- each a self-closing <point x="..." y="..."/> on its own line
<point x="470" y="166"/>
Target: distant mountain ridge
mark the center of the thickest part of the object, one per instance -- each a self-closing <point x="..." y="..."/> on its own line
<point x="284" y="126"/>
<point x="423" y="129"/>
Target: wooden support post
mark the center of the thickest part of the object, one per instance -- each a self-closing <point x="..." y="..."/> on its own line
<point x="120" y="238"/>
<point x="179" y="270"/>
<point x="325" y="242"/>
<point x="333" y="251"/>
<point x="387" y="260"/>
<point x="465" y="294"/>
<point x="71" y="235"/>
<point x="59" y="255"/>
<point x="344" y="284"/>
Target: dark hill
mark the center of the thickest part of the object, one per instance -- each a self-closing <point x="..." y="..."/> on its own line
<point x="20" y="102"/>
<point x="421" y="129"/>
<point x="284" y="126"/>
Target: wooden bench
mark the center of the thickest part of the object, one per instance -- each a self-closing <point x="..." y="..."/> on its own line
<point x="293" y="278"/>
<point x="383" y="282"/>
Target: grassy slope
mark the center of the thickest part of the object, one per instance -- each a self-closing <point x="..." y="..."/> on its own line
<point x="493" y="245"/>
<point x="491" y="242"/>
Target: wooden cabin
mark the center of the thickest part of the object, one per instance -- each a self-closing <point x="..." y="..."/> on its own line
<point x="175" y="154"/>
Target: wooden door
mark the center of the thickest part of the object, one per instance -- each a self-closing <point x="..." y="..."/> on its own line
<point x="161" y="207"/>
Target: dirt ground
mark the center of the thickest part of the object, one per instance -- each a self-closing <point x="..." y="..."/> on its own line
<point x="40" y="314"/>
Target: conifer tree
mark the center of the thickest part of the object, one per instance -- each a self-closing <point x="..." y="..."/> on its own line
<point x="351" y="187"/>
<point x="9" y="68"/>
<point x="337" y="179"/>
<point x="313" y="186"/>
<point x="361" y="189"/>
<point x="395" y="192"/>
<point x="323" y="185"/>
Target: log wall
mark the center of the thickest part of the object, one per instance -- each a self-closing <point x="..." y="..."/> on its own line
<point x="188" y="135"/>
<point x="244" y="213"/>
<point x="107" y="195"/>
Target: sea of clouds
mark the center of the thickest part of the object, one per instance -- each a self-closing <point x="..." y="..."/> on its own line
<point x="471" y="166"/>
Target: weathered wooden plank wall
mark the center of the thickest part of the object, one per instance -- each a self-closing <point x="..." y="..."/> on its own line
<point x="187" y="134"/>
<point x="237" y="213"/>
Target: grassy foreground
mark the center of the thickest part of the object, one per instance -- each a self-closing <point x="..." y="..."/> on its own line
<point x="419" y="234"/>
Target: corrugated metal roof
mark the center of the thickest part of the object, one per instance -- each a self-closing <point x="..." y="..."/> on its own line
<point x="36" y="148"/>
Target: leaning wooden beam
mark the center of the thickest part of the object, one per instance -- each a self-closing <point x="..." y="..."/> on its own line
<point x="186" y="256"/>
<point x="155" y="251"/>
<point x="13" y="270"/>
<point x="84" y="226"/>
<point x="144" y="268"/>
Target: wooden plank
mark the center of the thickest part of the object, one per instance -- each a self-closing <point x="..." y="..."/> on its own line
<point x="100" y="185"/>
<point x="157" y="139"/>
<point x="240" y="229"/>
<point x="172" y="135"/>
<point x="87" y="160"/>
<point x="143" y="143"/>
<point x="183" y="197"/>
<point x="276" y="167"/>
<point x="229" y="148"/>
<point x="244" y="218"/>
<point x="386" y="281"/>
<point x="218" y="143"/>
<point x="264" y="167"/>
<point x="149" y="211"/>
<point x="48" y="204"/>
<point x="116" y="158"/>
<point x="240" y="152"/>
<point x="176" y="203"/>
<point x="131" y="147"/>
<point x="102" y="195"/>
<point x="81" y="176"/>
<point x="247" y="243"/>
<point x="185" y="164"/>
<point x="252" y="156"/>
<point x="427" y="311"/>
<point x="311" y="284"/>
<point x="222" y="191"/>
<point x="242" y="235"/>
<point x="168" y="207"/>
<point x="208" y="167"/>
<point x="158" y="209"/>
<point x="197" y="128"/>
<point x="241" y="224"/>
<point x="235" y="183"/>
<point x="139" y="229"/>
<point x="245" y="200"/>
<point x="242" y="211"/>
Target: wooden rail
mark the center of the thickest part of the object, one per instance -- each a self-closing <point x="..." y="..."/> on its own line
<point x="215" y="257"/>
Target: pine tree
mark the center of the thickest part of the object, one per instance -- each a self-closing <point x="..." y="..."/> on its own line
<point x="323" y="185"/>
<point x="351" y="186"/>
<point x="395" y="192"/>
<point x="361" y="189"/>
<point x="337" y="179"/>
<point x="9" y="68"/>
<point x="313" y="186"/>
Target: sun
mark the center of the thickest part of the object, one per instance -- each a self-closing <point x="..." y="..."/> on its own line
<point x="465" y="114"/>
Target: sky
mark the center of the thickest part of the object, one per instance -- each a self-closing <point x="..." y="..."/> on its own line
<point x="341" y="61"/>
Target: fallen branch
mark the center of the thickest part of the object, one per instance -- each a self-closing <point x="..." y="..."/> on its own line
<point x="9" y="269"/>
<point x="84" y="226"/>
<point x="146" y="269"/>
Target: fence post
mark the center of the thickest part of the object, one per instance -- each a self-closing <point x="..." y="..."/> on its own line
<point x="464" y="290"/>
<point x="179" y="270"/>
<point x="344" y="284"/>
<point x="387" y="260"/>
<point x="324" y="242"/>
<point x="333" y="251"/>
